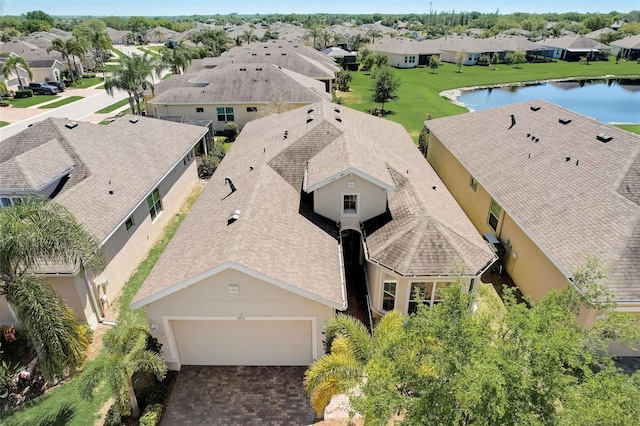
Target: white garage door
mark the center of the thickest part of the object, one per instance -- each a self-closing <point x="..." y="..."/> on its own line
<point x="243" y="342"/>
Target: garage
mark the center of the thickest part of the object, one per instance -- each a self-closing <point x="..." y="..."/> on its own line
<point x="248" y="341"/>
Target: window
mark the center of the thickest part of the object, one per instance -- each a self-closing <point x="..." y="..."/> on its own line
<point x="129" y="223"/>
<point x="494" y="215"/>
<point x="389" y="295"/>
<point x="225" y="114"/>
<point x="351" y="184"/>
<point x="473" y="184"/>
<point x="155" y="204"/>
<point x="252" y="109"/>
<point x="439" y="290"/>
<point x="420" y="294"/>
<point x="350" y="204"/>
<point x="9" y="201"/>
<point x="199" y="109"/>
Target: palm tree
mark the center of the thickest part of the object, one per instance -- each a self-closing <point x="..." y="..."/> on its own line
<point x="177" y="59"/>
<point x="101" y="43"/>
<point x="337" y="38"/>
<point x="326" y="38"/>
<point x="34" y="233"/>
<point x="315" y="32"/>
<point x="127" y="353"/>
<point x="134" y="77"/>
<point x="10" y="66"/>
<point x="215" y="40"/>
<point x="373" y="34"/>
<point x="69" y="49"/>
<point x="248" y="36"/>
<point x="352" y="347"/>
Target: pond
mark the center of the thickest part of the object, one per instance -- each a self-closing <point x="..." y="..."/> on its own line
<point x="607" y="100"/>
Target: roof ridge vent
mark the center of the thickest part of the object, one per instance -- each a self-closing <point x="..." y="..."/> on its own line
<point x="564" y="120"/>
<point x="535" y="107"/>
<point x="603" y="137"/>
<point x="71" y="125"/>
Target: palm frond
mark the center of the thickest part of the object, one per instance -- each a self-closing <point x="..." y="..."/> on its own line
<point x="354" y="330"/>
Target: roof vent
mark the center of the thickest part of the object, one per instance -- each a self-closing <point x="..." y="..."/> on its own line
<point x="309" y="120"/>
<point x="133" y="120"/>
<point x="337" y="110"/>
<point x="243" y="69"/>
<point x="339" y="120"/>
<point x="254" y="54"/>
<point x="71" y="125"/>
<point x="228" y="181"/>
<point x="513" y="121"/>
<point x="233" y="216"/>
<point x="564" y="120"/>
<point x="310" y="110"/>
<point x="258" y="69"/>
<point x="535" y="107"/>
<point x="268" y="54"/>
<point x="603" y="137"/>
<point x="283" y="54"/>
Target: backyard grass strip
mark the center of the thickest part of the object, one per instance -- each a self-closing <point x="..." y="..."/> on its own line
<point x="83" y="83"/>
<point x="634" y="128"/>
<point x="4" y="123"/>
<point x="62" y="102"/>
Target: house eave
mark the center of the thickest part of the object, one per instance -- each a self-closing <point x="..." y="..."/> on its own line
<point x="343" y="173"/>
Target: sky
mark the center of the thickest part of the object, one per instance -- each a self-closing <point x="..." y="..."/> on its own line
<point x="250" y="7"/>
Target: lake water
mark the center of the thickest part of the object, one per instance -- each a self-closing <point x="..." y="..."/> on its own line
<point x="606" y="100"/>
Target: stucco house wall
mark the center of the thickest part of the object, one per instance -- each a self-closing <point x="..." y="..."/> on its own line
<point x="398" y="60"/>
<point x="372" y="199"/>
<point x="212" y="298"/>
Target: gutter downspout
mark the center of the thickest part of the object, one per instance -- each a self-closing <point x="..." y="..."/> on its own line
<point x="92" y="297"/>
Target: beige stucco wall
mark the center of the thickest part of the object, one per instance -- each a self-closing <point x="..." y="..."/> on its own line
<point x="530" y="268"/>
<point x="211" y="298"/>
<point x="397" y="60"/>
<point x="372" y="199"/>
<point x="377" y="275"/>
<point x="126" y="249"/>
<point x="47" y="74"/>
<point x="241" y="116"/>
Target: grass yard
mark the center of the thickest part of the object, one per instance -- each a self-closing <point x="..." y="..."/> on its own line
<point x="150" y="51"/>
<point x="167" y="75"/>
<point x="635" y="128"/>
<point x="109" y="68"/>
<point x="83" y="83"/>
<point x="418" y="95"/>
<point x="62" y="102"/>
<point x="63" y="405"/>
<point x="113" y="106"/>
<point x="4" y="123"/>
<point x="34" y="100"/>
<point x="118" y="52"/>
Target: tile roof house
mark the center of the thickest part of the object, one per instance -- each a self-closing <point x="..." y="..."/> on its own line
<point x="235" y="92"/>
<point x="628" y="46"/>
<point x="286" y="54"/>
<point x="553" y="186"/>
<point x="123" y="182"/>
<point x="46" y="69"/>
<point x="572" y="47"/>
<point x="305" y="205"/>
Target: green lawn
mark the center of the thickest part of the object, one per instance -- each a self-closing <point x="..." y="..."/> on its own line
<point x="109" y="68"/>
<point x="118" y="52"/>
<point x="34" y="100"/>
<point x="83" y="83"/>
<point x="4" y="123"/>
<point x="418" y="96"/>
<point x="635" y="128"/>
<point x="113" y="107"/>
<point x="150" y="51"/>
<point x="63" y="405"/>
<point x="62" y="102"/>
<point x="167" y="75"/>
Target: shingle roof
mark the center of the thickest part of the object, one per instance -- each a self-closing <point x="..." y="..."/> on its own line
<point x="277" y="234"/>
<point x="630" y="42"/>
<point x="572" y="194"/>
<point x="236" y="83"/>
<point x="573" y="43"/>
<point x="128" y="159"/>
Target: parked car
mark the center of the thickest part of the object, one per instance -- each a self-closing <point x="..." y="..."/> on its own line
<point x="59" y="84"/>
<point x="43" y="89"/>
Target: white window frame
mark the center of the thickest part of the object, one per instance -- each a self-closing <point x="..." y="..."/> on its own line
<point x="425" y="301"/>
<point x="228" y="116"/>
<point x="154" y="206"/>
<point x="357" y="209"/>
<point x="13" y="200"/>
<point x="385" y="292"/>
<point x="490" y="214"/>
<point x="133" y="223"/>
<point x="473" y="183"/>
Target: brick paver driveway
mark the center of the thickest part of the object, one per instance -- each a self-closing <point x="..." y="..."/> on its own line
<point x="207" y="395"/>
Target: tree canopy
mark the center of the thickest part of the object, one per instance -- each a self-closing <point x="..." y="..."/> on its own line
<point x="385" y="85"/>
<point x="511" y="366"/>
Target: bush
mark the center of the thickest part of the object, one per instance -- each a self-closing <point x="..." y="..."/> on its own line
<point x="88" y="331"/>
<point x="231" y="131"/>
<point x="4" y="104"/>
<point x="89" y="75"/>
<point x="114" y="418"/>
<point x="208" y="166"/>
<point x="484" y="60"/>
<point x="151" y="415"/>
<point x="21" y="94"/>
